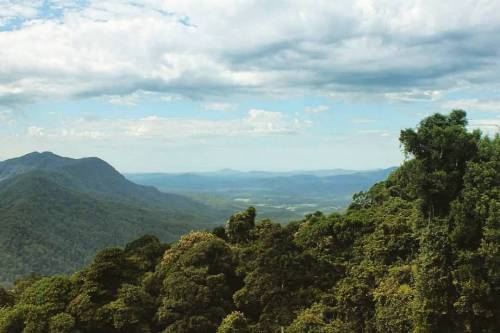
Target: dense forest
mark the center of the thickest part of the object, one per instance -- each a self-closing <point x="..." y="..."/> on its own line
<point x="418" y="252"/>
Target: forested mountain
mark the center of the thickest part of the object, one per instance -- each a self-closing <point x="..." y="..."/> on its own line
<point x="96" y="177"/>
<point x="278" y="195"/>
<point x="418" y="252"/>
<point x="56" y="212"/>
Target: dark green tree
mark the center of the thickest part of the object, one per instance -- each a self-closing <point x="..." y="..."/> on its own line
<point x="197" y="277"/>
<point x="442" y="146"/>
<point x="235" y="322"/>
<point x="6" y="298"/>
<point x="239" y="226"/>
<point x="278" y="279"/>
<point x="434" y="290"/>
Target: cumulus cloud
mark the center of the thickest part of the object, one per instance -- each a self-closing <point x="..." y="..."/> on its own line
<point x="18" y="10"/>
<point x="35" y="131"/>
<point x="403" y="50"/>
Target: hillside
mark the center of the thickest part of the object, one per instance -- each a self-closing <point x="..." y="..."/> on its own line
<point x="55" y="213"/>
<point x="97" y="178"/>
<point x="417" y="252"/>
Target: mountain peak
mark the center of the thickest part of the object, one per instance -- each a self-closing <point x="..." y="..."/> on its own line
<point x="39" y="159"/>
<point x="37" y="155"/>
<point x="50" y="162"/>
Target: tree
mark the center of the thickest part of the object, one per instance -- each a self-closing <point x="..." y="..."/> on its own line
<point x="442" y="146"/>
<point x="315" y="319"/>
<point x="475" y="226"/>
<point x="131" y="312"/>
<point x="239" y="226"/>
<point x="62" y="323"/>
<point x="6" y="298"/>
<point x="235" y="322"/>
<point x="278" y="277"/>
<point x="434" y="290"/>
<point x="197" y="277"/>
<point x="393" y="301"/>
<point x="36" y="306"/>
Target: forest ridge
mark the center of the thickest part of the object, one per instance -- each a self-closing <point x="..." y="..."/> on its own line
<point x="418" y="252"/>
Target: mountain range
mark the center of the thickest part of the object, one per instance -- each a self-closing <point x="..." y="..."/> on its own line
<point x="278" y="195"/>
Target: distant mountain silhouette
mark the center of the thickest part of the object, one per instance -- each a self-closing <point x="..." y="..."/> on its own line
<point x="283" y="196"/>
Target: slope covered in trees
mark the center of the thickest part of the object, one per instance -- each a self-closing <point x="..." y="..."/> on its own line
<point x="418" y="252"/>
<point x="56" y="213"/>
<point x="97" y="178"/>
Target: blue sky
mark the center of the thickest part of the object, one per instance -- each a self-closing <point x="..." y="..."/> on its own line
<point x="205" y="85"/>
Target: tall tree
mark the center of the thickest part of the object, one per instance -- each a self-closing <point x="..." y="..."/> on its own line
<point x="442" y="147"/>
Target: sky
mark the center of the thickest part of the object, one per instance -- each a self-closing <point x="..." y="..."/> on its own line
<point x="168" y="86"/>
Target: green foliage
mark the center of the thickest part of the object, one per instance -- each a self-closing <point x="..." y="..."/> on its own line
<point x="278" y="277"/>
<point x="235" y="322"/>
<point x="239" y="226"/>
<point x="419" y="252"/>
<point x="442" y="146"/>
<point x="61" y="323"/>
<point x="393" y="301"/>
<point x="197" y="281"/>
<point x="6" y="298"/>
<point x="315" y="319"/>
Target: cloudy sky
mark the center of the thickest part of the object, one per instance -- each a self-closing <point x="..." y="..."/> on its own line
<point x="271" y="85"/>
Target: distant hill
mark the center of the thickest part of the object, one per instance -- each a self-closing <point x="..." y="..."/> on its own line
<point x="224" y="173"/>
<point x="56" y="212"/>
<point x="178" y="182"/>
<point x="280" y="195"/>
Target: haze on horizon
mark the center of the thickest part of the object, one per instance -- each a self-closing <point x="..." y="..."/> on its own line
<point x="175" y="86"/>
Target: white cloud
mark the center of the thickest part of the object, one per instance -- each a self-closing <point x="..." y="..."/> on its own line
<point x="414" y="96"/>
<point x="401" y="50"/>
<point x="383" y="133"/>
<point x="127" y="100"/>
<point x="224" y="107"/>
<point x="256" y="123"/>
<point x="316" y="109"/>
<point x="21" y="9"/>
<point x="170" y="98"/>
<point x="34" y="131"/>
<point x="473" y="105"/>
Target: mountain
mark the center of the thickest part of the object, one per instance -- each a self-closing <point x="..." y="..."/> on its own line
<point x="96" y="177"/>
<point x="56" y="212"/>
<point x="282" y="196"/>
